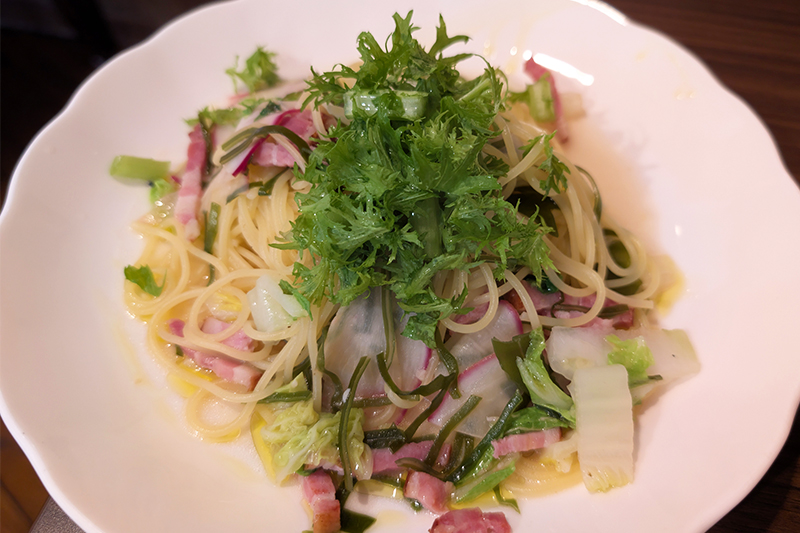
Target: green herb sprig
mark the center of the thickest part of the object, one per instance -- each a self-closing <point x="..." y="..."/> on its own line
<point x="394" y="201"/>
<point x="143" y="277"/>
<point x="259" y="72"/>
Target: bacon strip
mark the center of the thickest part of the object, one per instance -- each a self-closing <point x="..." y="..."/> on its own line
<point x="525" y="442"/>
<point x="298" y="121"/>
<point x="431" y="492"/>
<point x="541" y="301"/>
<point x="383" y="460"/>
<point x="544" y="302"/>
<point x="192" y="184"/>
<point x="621" y="321"/>
<point x="238" y="340"/>
<point x="270" y="154"/>
<point x="471" y="520"/>
<point x="319" y="492"/>
<point x="225" y="367"/>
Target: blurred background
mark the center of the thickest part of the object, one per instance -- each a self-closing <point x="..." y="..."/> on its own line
<point x="50" y="46"/>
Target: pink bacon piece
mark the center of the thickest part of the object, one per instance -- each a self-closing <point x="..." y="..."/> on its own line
<point x="270" y="154"/>
<point x="431" y="492"/>
<point x="223" y="366"/>
<point x="319" y="492"/>
<point x="544" y="302"/>
<point x="471" y="520"/>
<point x="621" y="321"/>
<point x="383" y="460"/>
<point x="526" y="442"/>
<point x="536" y="71"/>
<point x="541" y="301"/>
<point x="238" y="340"/>
<point x="192" y="184"/>
<point x="298" y="121"/>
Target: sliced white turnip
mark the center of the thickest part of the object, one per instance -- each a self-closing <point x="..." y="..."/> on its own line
<point x="485" y="379"/>
<point x="357" y="331"/>
<point x="469" y="348"/>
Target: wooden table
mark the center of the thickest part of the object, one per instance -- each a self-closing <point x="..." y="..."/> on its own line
<point x="752" y="47"/>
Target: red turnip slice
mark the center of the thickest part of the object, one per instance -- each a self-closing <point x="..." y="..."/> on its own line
<point x="469" y="348"/>
<point x="485" y="379"/>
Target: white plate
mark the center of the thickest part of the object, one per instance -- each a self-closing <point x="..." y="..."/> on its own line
<point x="682" y="160"/>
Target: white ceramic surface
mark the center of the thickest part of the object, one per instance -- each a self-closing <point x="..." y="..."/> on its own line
<point x="677" y="156"/>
